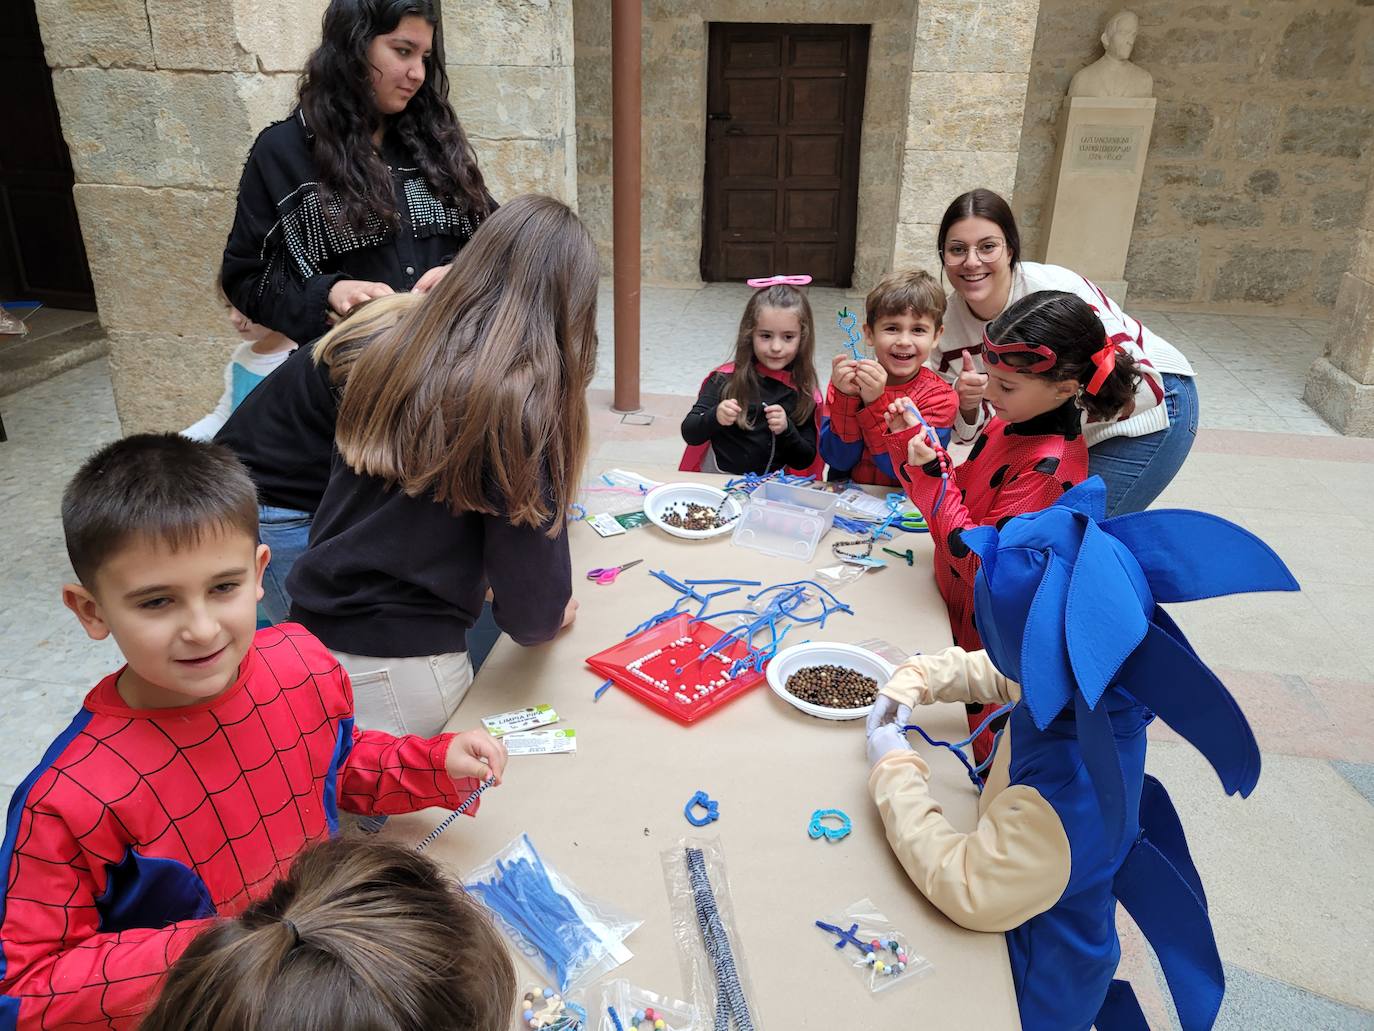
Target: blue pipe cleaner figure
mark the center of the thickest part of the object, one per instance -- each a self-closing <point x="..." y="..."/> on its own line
<point x="1068" y="605"/>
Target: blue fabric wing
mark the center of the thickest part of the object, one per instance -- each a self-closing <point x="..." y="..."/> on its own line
<point x="1046" y="675"/>
<point x="1175" y="923"/>
<point x="1164" y="675"/>
<point x="1097" y="744"/>
<point x="1190" y="555"/>
<point x="1121" y="1009"/>
<point x="1088" y="497"/>
<point x="982" y="541"/>
<point x="1103" y="621"/>
<point x="1160" y="823"/>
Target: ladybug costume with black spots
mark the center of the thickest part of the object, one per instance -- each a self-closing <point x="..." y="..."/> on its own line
<point x="1013" y="469"/>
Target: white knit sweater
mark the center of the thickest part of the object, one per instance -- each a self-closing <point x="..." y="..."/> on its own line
<point x="964" y="332"/>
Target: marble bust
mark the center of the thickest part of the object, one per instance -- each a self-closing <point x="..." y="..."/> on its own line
<point x="1113" y="74"/>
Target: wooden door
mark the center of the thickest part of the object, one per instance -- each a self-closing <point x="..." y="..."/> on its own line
<point x="784" y="108"/>
<point x="42" y="256"/>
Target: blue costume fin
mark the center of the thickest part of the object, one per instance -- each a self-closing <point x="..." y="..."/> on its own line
<point x="1166" y="677"/>
<point x="1160" y="823"/>
<point x="1046" y="673"/>
<point x="1103" y="621"/>
<point x="1121" y="1009"/>
<point x="1174" y="921"/>
<point x="1088" y="497"/>
<point x="1097" y="743"/>
<point x="1221" y="557"/>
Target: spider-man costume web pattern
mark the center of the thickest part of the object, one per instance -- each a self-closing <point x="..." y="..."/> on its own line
<point x="139" y="826"/>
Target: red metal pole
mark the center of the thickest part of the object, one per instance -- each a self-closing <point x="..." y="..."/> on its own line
<point x="626" y="17"/>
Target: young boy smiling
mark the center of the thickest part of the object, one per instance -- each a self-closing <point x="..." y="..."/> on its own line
<point x="191" y="778"/>
<point x="904" y="319"/>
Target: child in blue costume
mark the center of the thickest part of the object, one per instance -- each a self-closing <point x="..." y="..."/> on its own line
<point x="1068" y="607"/>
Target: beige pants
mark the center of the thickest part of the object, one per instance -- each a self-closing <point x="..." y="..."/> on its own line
<point x="407" y="696"/>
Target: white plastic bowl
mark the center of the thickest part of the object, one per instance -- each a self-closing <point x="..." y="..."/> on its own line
<point x="825" y="653"/>
<point x="660" y="499"/>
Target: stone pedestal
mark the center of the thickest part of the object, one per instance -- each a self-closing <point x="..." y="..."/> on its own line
<point x="1340" y="384"/>
<point x="1098" y="168"/>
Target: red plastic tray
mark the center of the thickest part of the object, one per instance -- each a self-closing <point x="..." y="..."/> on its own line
<point x="617" y="664"/>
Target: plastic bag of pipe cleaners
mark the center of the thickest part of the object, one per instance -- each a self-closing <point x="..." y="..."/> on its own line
<point x="615" y="492"/>
<point x="638" y="1009"/>
<point x="566" y="935"/>
<point x="873" y="947"/>
<point x="710" y="953"/>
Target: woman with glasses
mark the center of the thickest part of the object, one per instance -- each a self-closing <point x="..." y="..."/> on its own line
<point x="1137" y="453"/>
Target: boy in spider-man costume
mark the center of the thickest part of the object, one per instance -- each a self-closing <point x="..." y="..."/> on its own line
<point x="1047" y="360"/>
<point x="191" y="778"/>
<point x="1069" y="824"/>
<point x="904" y="316"/>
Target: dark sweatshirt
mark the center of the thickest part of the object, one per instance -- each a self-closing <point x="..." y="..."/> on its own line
<point x="395" y="576"/>
<point x="738" y="450"/>
<point x="284" y="432"/>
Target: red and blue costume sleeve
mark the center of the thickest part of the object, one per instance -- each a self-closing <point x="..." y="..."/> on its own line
<point x="140" y="826"/>
<point x="854" y="434"/>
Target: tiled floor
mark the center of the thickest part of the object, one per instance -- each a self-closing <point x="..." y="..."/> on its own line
<point x="1287" y="871"/>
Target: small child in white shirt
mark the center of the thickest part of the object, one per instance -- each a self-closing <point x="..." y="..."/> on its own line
<point x="262" y="351"/>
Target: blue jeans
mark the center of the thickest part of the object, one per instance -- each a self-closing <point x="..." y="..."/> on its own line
<point x="287" y="532"/>
<point x="1137" y="469"/>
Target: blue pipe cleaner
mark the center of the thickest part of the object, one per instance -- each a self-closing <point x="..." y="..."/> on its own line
<point x="957" y="747"/>
<point x="522" y="896"/>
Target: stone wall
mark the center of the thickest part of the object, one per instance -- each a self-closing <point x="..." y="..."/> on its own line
<point x="967" y="91"/>
<point x="159" y="104"/>
<point x="1261" y="154"/>
<point x="674" y="143"/>
<point x="510" y="69"/>
<point x="1340" y="384"/>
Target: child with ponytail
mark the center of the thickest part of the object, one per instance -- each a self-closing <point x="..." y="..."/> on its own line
<point x="761" y="412"/>
<point x="1048" y="362"/>
<point x="359" y="935"/>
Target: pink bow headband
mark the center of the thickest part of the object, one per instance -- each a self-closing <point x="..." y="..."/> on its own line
<point x="759" y="284"/>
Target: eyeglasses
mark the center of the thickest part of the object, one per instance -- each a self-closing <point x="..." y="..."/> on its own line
<point x="988" y="251"/>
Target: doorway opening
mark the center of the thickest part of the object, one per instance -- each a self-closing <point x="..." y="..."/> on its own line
<point x="784" y="113"/>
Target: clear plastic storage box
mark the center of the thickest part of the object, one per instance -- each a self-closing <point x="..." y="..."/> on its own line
<point x="786" y="521"/>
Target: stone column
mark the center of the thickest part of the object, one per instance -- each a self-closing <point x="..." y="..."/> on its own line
<point x="1340" y="384"/>
<point x="160" y="102"/>
<point x="510" y="69"/>
<point x="970" y="67"/>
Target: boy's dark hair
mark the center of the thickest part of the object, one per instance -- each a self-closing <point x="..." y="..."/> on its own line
<point x="360" y="935"/>
<point x="914" y="291"/>
<point x="1068" y="326"/>
<point x="159" y="486"/>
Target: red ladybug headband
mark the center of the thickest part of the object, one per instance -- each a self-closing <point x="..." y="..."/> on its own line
<point x="1104" y="360"/>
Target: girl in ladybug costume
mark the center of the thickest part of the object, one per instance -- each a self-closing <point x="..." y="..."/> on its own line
<point x="1048" y="361"/>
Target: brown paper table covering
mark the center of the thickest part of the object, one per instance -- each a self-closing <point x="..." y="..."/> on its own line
<point x="603" y="815"/>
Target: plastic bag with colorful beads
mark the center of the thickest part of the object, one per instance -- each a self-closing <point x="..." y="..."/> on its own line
<point x="628" y="1007"/>
<point x="873" y="947"/>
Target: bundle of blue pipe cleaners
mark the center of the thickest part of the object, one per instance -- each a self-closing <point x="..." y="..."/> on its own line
<point x="523" y="896"/>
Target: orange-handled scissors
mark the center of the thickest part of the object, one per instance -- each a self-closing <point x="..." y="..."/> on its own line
<point x="607" y="576"/>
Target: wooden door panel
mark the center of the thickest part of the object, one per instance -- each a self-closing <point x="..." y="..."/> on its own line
<point x="751" y="155"/>
<point x="751" y="209"/>
<point x="753" y="100"/>
<point x="743" y="260"/>
<point x="816" y="102"/>
<point x="785" y="106"/>
<point x="819" y="53"/>
<point x="814" y="155"/>
<point x="753" y="53"/>
<point x="806" y="211"/>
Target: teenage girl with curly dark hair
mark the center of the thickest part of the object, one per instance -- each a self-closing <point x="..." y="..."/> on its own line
<point x="369" y="188"/>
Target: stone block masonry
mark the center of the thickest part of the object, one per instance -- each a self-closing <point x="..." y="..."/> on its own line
<point x="160" y="102"/>
<point x="1261" y="155"/>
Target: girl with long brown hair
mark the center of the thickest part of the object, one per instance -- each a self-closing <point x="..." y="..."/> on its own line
<point x="460" y="447"/>
<point x="760" y="412"/>
<point x="360" y="935"/>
